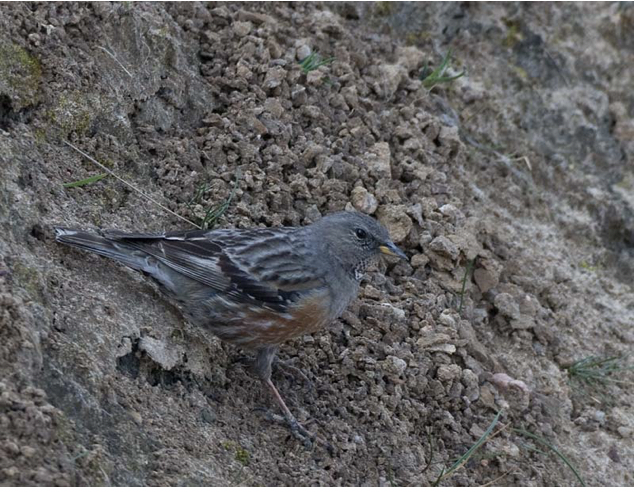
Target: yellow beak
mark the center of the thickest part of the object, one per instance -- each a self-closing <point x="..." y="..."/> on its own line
<point x="391" y="249"/>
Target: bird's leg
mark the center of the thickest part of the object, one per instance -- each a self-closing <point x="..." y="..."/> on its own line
<point x="263" y="361"/>
<point x="291" y="370"/>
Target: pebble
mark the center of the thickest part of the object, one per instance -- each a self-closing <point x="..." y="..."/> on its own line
<point x="378" y="160"/>
<point x="445" y="247"/>
<point x="363" y="200"/>
<point x="396" y="220"/>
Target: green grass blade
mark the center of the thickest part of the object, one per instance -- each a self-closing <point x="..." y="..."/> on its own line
<point x="214" y="213"/>
<point x="544" y="442"/>
<point x="84" y="182"/>
<point x="465" y="457"/>
<point x="438" y="75"/>
<point x="313" y="62"/>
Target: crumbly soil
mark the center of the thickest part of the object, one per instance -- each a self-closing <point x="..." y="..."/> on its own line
<point x="516" y="178"/>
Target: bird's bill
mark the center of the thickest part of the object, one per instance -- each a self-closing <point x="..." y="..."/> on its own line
<point x="392" y="250"/>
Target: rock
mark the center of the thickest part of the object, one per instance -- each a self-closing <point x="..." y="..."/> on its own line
<point x="487" y="276"/>
<point x="471" y="383"/>
<point x="484" y="279"/>
<point x="394" y="365"/>
<point x="389" y="80"/>
<point x="163" y="353"/>
<point x="255" y="17"/>
<point x="242" y="29"/>
<point x="449" y="139"/>
<point x="396" y="220"/>
<point x="447" y="348"/>
<point x="445" y="247"/>
<point x="410" y="57"/>
<point x="363" y="201"/>
<point x="504" y="381"/>
<point x="274" y="77"/>
<point x="302" y="52"/>
<point x="378" y="160"/>
<point x="507" y="305"/>
<point x="136" y="417"/>
<point x="419" y="260"/>
<point x="432" y="339"/>
<point x="449" y="211"/>
<point x="315" y="77"/>
<point x="449" y="372"/>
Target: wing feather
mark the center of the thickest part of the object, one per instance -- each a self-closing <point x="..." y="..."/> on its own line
<point x="266" y="267"/>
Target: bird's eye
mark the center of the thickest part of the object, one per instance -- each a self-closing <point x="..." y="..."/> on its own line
<point x="360" y="233"/>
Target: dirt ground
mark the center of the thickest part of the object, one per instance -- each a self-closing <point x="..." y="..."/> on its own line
<point x="516" y="178"/>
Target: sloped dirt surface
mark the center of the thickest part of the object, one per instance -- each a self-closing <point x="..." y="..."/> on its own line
<point x="516" y="179"/>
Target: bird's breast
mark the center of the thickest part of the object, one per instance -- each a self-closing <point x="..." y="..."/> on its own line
<point x="253" y="326"/>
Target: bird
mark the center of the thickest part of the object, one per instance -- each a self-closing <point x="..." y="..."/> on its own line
<point x="256" y="287"/>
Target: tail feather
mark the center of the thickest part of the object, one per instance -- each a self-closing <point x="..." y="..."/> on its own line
<point x="109" y="248"/>
<point x="120" y="246"/>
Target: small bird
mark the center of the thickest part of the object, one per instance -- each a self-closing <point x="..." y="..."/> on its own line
<point x="255" y="288"/>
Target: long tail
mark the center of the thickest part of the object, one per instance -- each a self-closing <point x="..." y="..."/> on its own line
<point x="110" y="248"/>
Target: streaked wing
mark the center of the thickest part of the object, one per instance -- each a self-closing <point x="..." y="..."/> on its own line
<point x="266" y="267"/>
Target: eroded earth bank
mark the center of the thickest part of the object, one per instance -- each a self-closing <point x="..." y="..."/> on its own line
<point x="516" y="179"/>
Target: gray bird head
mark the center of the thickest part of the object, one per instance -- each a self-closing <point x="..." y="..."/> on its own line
<point x="354" y="239"/>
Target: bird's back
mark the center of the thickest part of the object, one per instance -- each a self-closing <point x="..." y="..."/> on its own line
<point x="248" y="286"/>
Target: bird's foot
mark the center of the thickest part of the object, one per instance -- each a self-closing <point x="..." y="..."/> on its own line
<point x="298" y="431"/>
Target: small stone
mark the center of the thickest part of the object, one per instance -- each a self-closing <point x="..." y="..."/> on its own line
<point x="255" y="17"/>
<point x="507" y="306"/>
<point x="396" y="220"/>
<point x="303" y="52"/>
<point x="363" y="201"/>
<point x="11" y="447"/>
<point x="449" y="372"/>
<point x="208" y="416"/>
<point x="419" y="260"/>
<point x="274" y="78"/>
<point x="397" y="312"/>
<point x="445" y="247"/>
<point x="511" y="450"/>
<point x="446" y="348"/>
<point x="448" y="210"/>
<point x="299" y="96"/>
<point x="378" y="160"/>
<point x="446" y="319"/>
<point x="315" y="77"/>
<point x="395" y="365"/>
<point x="358" y="439"/>
<point x="242" y="29"/>
<point x="390" y="78"/>
<point x="485" y="279"/>
<point x="449" y="138"/>
<point x="27" y="451"/>
<point x="410" y="57"/>
<point x="136" y="416"/>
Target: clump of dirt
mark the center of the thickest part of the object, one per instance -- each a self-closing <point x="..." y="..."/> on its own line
<point x="509" y="189"/>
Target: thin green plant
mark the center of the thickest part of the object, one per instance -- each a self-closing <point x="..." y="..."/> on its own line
<point x="128" y="183"/>
<point x="464" y="283"/>
<point x="596" y="372"/>
<point x="214" y="212"/>
<point x="84" y="182"/>
<point x="467" y="456"/>
<point x="437" y="76"/>
<point x="552" y="448"/>
<point x="314" y="61"/>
